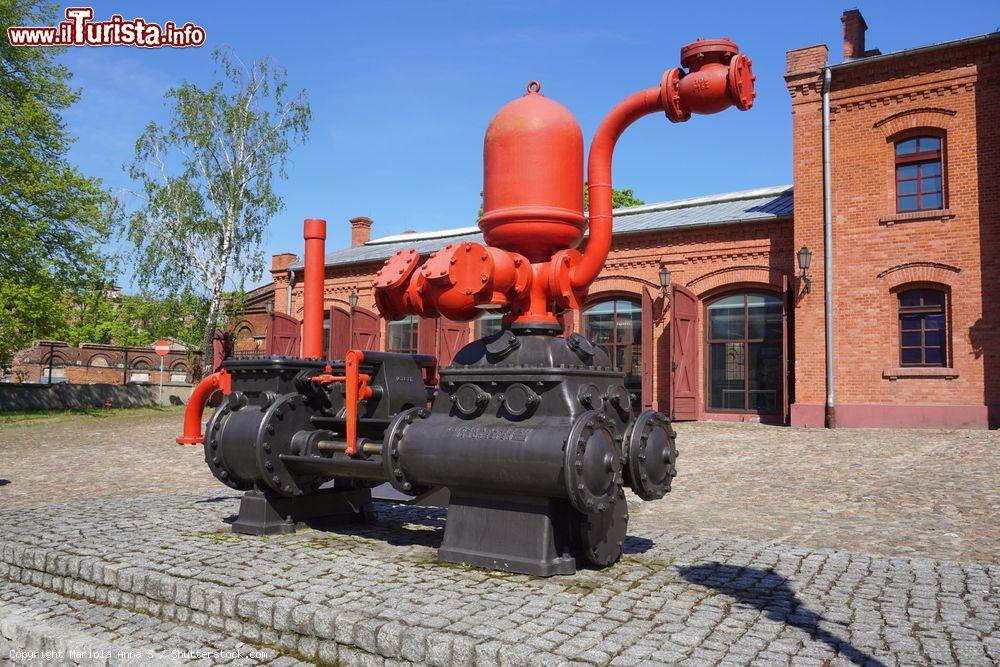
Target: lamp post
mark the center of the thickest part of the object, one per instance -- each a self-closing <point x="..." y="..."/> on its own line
<point x="352" y="301"/>
<point x="804" y="256"/>
<point x="664" y="275"/>
<point x="664" y="280"/>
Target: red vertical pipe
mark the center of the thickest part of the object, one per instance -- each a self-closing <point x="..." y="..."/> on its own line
<point x="312" y="319"/>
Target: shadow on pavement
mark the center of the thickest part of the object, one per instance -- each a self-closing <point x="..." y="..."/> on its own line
<point x="636" y="545"/>
<point x="770" y="592"/>
<point x="405" y="525"/>
<point x="217" y="499"/>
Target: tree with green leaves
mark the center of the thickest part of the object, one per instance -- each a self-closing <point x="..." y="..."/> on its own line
<point x="98" y="316"/>
<point x="53" y="219"/>
<point x="619" y="199"/>
<point x="206" y="182"/>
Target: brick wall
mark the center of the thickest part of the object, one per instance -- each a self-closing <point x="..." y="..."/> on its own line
<point x="707" y="260"/>
<point x="98" y="364"/>
<point x="805" y="83"/>
<point x="876" y="251"/>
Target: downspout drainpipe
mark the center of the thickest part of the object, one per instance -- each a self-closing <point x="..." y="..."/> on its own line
<point x="827" y="249"/>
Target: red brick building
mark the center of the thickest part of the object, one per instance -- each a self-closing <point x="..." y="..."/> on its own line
<point x="914" y="235"/>
<point x="914" y="210"/>
<point x="55" y="362"/>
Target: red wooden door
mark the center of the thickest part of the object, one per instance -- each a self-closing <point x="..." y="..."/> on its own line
<point x="647" y="349"/>
<point x="452" y="336"/>
<point x="366" y="330"/>
<point x="340" y="334"/>
<point x="684" y="353"/>
<point x="284" y="334"/>
<point x="427" y="336"/>
<point x="222" y="349"/>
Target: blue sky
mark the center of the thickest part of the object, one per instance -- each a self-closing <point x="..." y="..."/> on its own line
<point x="401" y="92"/>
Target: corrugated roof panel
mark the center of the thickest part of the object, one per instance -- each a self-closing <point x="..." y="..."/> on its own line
<point x="758" y="205"/>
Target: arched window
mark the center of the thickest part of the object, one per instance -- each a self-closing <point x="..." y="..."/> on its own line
<point x="918" y="174"/>
<point x="616" y="327"/>
<point x="99" y="361"/>
<point x="923" y="328"/>
<point x="488" y="324"/>
<point x="744" y="353"/>
<point x="402" y="335"/>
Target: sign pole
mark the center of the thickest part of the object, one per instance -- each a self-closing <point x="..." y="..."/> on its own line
<point x="162" y="348"/>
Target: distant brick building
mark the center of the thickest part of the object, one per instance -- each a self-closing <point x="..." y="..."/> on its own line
<point x="915" y="227"/>
<point x="49" y="361"/>
<point x="247" y="333"/>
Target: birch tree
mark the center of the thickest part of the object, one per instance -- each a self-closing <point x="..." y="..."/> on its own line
<point x="206" y="182"/>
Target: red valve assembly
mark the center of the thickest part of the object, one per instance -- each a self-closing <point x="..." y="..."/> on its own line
<point x="533" y="218"/>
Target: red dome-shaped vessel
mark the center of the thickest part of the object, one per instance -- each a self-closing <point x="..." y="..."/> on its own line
<point x="533" y="178"/>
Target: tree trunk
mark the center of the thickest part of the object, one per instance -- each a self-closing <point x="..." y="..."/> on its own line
<point x="208" y="341"/>
<point x="214" y="308"/>
<point x="218" y="285"/>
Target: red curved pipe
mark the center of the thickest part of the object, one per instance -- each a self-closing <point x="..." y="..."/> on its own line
<point x="221" y="381"/>
<point x="602" y="149"/>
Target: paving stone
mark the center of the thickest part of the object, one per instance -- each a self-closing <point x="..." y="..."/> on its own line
<point x="806" y="592"/>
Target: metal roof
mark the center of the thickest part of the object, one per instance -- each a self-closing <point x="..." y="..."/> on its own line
<point x="955" y="43"/>
<point x="758" y="205"/>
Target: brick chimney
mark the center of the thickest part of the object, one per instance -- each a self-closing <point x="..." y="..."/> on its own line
<point x="854" y="34"/>
<point x="282" y="261"/>
<point x="361" y="230"/>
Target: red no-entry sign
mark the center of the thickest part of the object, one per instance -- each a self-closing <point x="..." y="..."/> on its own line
<point x="162" y="348"/>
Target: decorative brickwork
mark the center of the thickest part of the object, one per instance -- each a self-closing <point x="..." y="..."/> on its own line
<point x="873" y="103"/>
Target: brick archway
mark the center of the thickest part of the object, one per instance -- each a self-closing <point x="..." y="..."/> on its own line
<point x="618" y="284"/>
<point x="918" y="272"/>
<point x="912" y="119"/>
<point x="714" y="281"/>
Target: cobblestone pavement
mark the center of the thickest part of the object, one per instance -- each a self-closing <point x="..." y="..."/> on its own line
<point x="372" y="594"/>
<point x="37" y="626"/>
<point x="892" y="492"/>
<point x="889" y="491"/>
<point x="83" y="456"/>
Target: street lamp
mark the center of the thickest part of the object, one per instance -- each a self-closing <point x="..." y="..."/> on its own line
<point x="664" y="279"/>
<point x="664" y="275"/>
<point x="352" y="299"/>
<point x="804" y="256"/>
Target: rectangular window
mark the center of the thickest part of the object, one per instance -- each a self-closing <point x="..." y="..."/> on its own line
<point x="403" y="335"/>
<point x="744" y="353"/>
<point x="922" y="328"/>
<point x="918" y="175"/>
<point x="489" y="324"/>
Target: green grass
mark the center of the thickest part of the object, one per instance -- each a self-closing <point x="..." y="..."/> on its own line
<point x="29" y="417"/>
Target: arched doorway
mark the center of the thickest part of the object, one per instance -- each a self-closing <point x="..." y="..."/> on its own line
<point x="744" y="354"/>
<point x="615" y="325"/>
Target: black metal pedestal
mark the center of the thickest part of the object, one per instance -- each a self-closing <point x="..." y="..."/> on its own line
<point x="264" y="513"/>
<point x="514" y="534"/>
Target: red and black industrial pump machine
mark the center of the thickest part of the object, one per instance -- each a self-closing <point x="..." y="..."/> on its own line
<point x="532" y="434"/>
